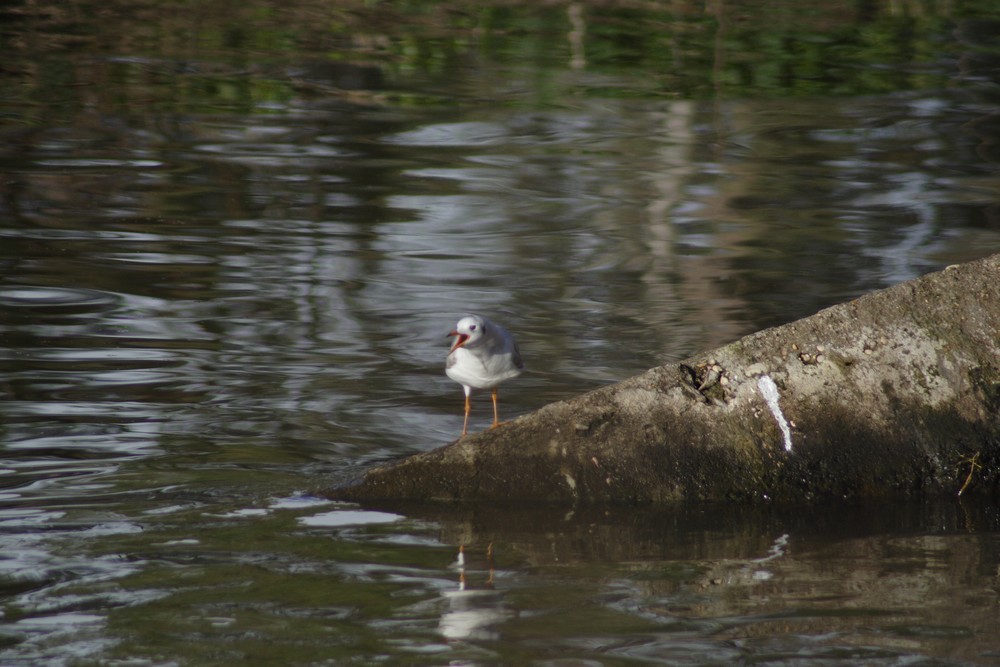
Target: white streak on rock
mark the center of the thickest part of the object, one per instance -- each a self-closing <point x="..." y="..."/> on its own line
<point x="769" y="391"/>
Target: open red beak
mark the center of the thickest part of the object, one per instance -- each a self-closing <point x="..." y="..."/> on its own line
<point x="459" y="341"/>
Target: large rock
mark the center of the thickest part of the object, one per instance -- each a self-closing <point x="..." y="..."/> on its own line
<point x="894" y="393"/>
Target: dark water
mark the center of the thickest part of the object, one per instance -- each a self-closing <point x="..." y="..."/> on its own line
<point x="233" y="238"/>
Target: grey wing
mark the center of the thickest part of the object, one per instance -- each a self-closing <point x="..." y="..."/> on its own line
<point x="516" y="357"/>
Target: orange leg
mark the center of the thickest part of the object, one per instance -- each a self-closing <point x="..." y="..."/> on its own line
<point x="468" y="409"/>
<point x="496" y="413"/>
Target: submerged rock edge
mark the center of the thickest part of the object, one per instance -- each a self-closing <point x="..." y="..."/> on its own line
<point x="890" y="394"/>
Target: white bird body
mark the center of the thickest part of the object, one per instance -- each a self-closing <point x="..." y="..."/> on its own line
<point x="483" y="355"/>
<point x="483" y="371"/>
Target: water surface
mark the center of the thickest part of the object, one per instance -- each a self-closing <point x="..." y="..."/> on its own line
<point x="232" y="240"/>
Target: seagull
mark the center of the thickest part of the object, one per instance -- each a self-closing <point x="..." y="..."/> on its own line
<point x="483" y="355"/>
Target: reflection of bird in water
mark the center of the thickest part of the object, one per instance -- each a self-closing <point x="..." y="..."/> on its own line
<point x="459" y="565"/>
<point x="483" y="355"/>
<point x="473" y="611"/>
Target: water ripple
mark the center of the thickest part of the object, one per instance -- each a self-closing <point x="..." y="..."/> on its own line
<point x="27" y="296"/>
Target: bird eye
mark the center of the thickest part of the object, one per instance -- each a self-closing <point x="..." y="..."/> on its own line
<point x="472" y="328"/>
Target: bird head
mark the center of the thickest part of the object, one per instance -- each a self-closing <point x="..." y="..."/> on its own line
<point x="468" y="331"/>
